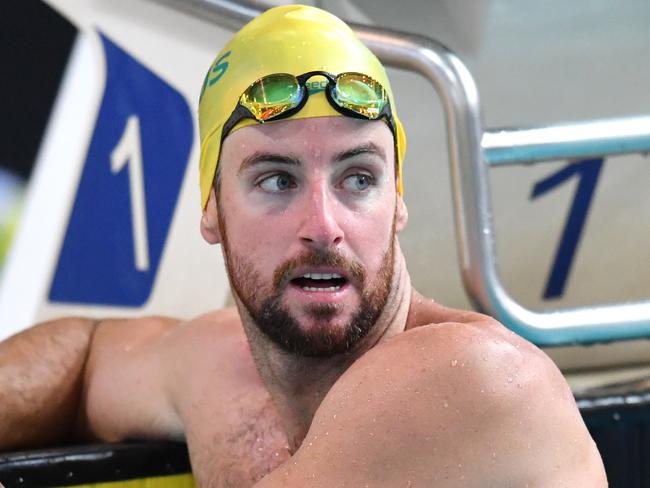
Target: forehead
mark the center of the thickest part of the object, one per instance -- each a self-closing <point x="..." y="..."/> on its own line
<point x="319" y="135"/>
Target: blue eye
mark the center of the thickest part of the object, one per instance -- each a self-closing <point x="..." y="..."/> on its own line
<point x="277" y="183"/>
<point x="358" y="182"/>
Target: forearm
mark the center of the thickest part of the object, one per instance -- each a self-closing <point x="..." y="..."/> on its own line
<point x="41" y="380"/>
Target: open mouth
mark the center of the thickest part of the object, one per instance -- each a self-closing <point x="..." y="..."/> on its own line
<point x="320" y="282"/>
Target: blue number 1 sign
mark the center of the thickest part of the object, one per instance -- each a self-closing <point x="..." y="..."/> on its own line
<point x="128" y="189"/>
<point x="587" y="171"/>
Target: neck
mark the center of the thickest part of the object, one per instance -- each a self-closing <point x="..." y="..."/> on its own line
<point x="298" y="384"/>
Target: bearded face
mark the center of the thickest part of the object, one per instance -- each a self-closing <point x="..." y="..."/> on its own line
<point x="307" y="213"/>
<point x="329" y="334"/>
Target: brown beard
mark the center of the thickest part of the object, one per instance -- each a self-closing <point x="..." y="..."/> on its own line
<point x="276" y="322"/>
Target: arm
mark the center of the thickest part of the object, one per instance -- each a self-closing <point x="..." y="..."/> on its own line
<point x="74" y="379"/>
<point x="447" y="405"/>
<point x="41" y="376"/>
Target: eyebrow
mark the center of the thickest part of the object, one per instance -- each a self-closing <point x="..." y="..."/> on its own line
<point x="366" y="148"/>
<point x="264" y="157"/>
<point x="259" y="157"/>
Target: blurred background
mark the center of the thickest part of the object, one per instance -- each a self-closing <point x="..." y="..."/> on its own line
<point x="35" y="43"/>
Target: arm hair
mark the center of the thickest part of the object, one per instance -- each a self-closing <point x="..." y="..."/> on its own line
<point x="41" y="382"/>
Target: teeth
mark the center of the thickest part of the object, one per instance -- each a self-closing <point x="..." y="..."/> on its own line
<point x="313" y="288"/>
<point x="321" y="276"/>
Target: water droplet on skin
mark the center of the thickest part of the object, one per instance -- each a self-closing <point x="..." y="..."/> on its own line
<point x="509" y="380"/>
<point x="446" y="405"/>
<point x="454" y="362"/>
<point x="484" y="358"/>
<point x="334" y="416"/>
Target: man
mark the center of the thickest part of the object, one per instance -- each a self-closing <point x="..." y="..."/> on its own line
<point x="332" y="370"/>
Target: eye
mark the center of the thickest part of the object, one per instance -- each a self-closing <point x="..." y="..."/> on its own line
<point x="277" y="183"/>
<point x="358" y="182"/>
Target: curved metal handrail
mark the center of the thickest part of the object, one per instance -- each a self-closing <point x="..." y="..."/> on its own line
<point x="579" y="140"/>
<point x="471" y="194"/>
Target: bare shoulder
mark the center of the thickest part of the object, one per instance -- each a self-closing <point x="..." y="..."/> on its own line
<point x="214" y="349"/>
<point x="184" y="351"/>
<point x="153" y="362"/>
<point x="155" y="327"/>
<point x="166" y="337"/>
<point x="452" y="404"/>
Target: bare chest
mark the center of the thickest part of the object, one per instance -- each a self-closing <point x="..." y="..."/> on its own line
<point x="234" y="436"/>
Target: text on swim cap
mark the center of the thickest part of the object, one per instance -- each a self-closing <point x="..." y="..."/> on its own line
<point x="216" y="72"/>
<point x="316" y="86"/>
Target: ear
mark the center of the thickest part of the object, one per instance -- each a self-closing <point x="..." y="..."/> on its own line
<point x="401" y="214"/>
<point x="210" y="221"/>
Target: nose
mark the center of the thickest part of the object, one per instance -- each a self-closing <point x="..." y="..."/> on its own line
<point x="319" y="227"/>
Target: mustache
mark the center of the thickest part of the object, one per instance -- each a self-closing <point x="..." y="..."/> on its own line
<point x="352" y="270"/>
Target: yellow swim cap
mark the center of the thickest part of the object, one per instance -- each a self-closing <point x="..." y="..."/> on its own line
<point x="292" y="39"/>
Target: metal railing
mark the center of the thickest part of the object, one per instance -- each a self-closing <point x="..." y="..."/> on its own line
<point x="471" y="151"/>
<point x="567" y="141"/>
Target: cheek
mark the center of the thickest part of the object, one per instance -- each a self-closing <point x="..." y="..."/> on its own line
<point x="255" y="238"/>
<point x="370" y="236"/>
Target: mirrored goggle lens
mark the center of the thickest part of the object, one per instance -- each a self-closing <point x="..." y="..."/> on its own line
<point x="361" y="94"/>
<point x="272" y="95"/>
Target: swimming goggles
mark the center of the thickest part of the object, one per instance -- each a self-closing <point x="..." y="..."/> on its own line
<point x="278" y="96"/>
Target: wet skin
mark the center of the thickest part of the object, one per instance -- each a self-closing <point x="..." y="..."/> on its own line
<point x="429" y="396"/>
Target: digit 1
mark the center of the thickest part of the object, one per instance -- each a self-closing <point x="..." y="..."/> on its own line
<point x="129" y="151"/>
<point x="588" y="172"/>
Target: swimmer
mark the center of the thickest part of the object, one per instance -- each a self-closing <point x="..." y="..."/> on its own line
<point x="331" y="370"/>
